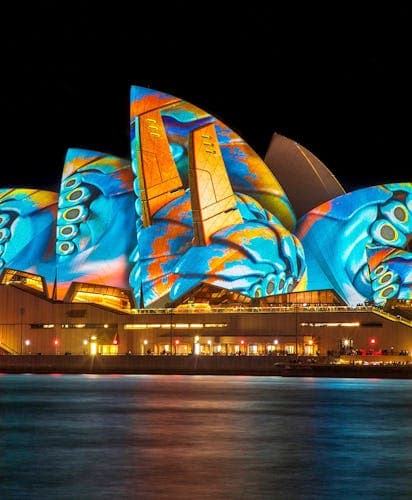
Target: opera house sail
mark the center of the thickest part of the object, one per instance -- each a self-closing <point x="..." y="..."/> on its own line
<point x="195" y="211"/>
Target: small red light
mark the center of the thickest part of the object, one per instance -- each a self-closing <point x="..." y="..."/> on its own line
<point x="177" y="341"/>
<point x="242" y="342"/>
<point x="56" y="341"/>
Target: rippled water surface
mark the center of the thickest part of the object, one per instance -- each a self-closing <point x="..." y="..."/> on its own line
<point x="199" y="437"/>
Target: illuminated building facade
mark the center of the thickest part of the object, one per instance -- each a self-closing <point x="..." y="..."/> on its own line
<point x="196" y="216"/>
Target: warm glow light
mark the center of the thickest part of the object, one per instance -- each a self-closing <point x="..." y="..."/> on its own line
<point x="27" y="342"/>
<point x="145" y="341"/>
<point x="101" y="298"/>
<point x="144" y="326"/>
<point x="276" y="341"/>
<point x="196" y="338"/>
<point x="242" y="342"/>
<point x="352" y="324"/>
<point x="177" y="341"/>
<point x="93" y="348"/>
<point x="85" y="342"/>
<point x="56" y="341"/>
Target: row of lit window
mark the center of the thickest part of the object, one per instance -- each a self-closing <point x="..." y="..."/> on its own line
<point x="143" y="326"/>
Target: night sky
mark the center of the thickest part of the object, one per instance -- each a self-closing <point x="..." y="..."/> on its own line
<point x="336" y="81"/>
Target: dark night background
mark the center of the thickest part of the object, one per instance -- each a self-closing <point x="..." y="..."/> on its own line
<point x="335" y="80"/>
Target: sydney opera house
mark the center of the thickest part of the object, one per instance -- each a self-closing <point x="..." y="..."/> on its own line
<point x="195" y="244"/>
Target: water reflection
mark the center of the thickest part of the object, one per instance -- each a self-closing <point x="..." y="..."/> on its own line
<point x="195" y="437"/>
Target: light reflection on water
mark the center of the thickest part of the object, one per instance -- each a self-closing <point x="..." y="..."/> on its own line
<point x="195" y="437"/>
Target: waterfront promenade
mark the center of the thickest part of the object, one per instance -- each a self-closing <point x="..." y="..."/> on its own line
<point x="201" y="365"/>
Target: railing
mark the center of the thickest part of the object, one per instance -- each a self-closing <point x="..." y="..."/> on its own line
<point x="392" y="317"/>
<point x="262" y="309"/>
<point x="292" y="308"/>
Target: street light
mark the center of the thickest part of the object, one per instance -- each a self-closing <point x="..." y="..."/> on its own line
<point x="171" y="330"/>
<point x="346" y="344"/>
<point x="93" y="345"/>
<point x="21" y="329"/>
<point x="27" y="344"/>
<point x="296" y="331"/>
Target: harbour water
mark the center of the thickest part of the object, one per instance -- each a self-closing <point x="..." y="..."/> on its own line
<point x="198" y="437"/>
